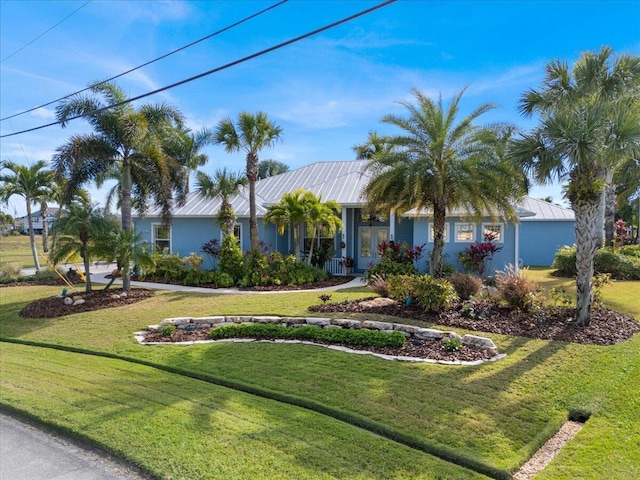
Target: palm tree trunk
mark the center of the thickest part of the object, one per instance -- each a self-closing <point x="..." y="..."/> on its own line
<point x="609" y="213"/>
<point x="125" y="206"/>
<point x="252" y="176"/>
<point x="296" y="240"/>
<point x="87" y="275"/>
<point x="32" y="237"/>
<point x="45" y="227"/>
<point x="587" y="236"/>
<point x="436" y="260"/>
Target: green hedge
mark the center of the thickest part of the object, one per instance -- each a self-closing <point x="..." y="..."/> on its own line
<point x="359" y="337"/>
<point x="622" y="263"/>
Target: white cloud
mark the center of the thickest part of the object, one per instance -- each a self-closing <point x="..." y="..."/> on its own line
<point x="44" y="113"/>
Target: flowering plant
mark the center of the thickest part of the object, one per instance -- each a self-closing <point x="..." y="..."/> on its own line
<point x="400" y="252"/>
<point x="347" y="262"/>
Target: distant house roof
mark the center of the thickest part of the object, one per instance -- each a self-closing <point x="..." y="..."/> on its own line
<point x="545" y="211"/>
<point x="51" y="212"/>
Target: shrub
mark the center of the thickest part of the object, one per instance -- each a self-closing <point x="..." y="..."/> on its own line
<point x="622" y="263"/>
<point x="466" y="285"/>
<point x="400" y="252"/>
<point x="10" y="270"/>
<point x="167" y="330"/>
<point x="277" y="269"/>
<point x="477" y="257"/>
<point x="451" y="344"/>
<point x="379" y="285"/>
<point x="230" y="260"/>
<point x="432" y="294"/>
<point x="387" y="267"/>
<point x="360" y="337"/>
<point x="478" y="310"/>
<point x="518" y="291"/>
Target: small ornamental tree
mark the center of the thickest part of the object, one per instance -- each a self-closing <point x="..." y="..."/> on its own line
<point x="477" y="257"/>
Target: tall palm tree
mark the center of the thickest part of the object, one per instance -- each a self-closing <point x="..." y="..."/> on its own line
<point x="290" y="211"/>
<point x="251" y="133"/>
<point x="224" y="184"/>
<point x="322" y="219"/>
<point x="32" y="183"/>
<point x="583" y="135"/>
<point x="75" y="234"/>
<point x="186" y="147"/>
<point x="439" y="163"/>
<point x="126" y="142"/>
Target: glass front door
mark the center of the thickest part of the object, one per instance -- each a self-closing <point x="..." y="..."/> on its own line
<point x="369" y="239"/>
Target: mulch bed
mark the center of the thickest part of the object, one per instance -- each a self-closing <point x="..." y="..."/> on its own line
<point x="607" y="327"/>
<point x="51" y="307"/>
<point x="431" y="349"/>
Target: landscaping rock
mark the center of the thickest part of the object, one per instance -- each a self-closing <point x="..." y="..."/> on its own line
<point x="478" y="342"/>
<point x="346" y="323"/>
<point x="428" y="334"/>
<point x="377" y="325"/>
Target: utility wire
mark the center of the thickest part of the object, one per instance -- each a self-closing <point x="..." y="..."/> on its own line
<point x="46" y="31"/>
<point x="214" y="70"/>
<point x="246" y="19"/>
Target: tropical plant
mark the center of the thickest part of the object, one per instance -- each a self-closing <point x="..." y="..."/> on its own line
<point x="33" y="183"/>
<point x="322" y="221"/>
<point x="439" y="163"/>
<point x="76" y="233"/>
<point x="251" y="134"/>
<point x="186" y="147"/>
<point x="269" y="168"/>
<point x="584" y="132"/>
<point x="224" y="184"/>
<point x="476" y="257"/>
<point x="290" y="211"/>
<point x="127" y="144"/>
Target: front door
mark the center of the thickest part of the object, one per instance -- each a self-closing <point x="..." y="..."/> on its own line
<point x="369" y="239"/>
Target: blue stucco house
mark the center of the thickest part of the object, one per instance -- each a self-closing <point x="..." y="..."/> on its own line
<point x="532" y="241"/>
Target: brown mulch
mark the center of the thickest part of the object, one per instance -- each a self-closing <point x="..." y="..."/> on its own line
<point x="607" y="327"/>
<point x="431" y="349"/>
<point x="51" y="307"/>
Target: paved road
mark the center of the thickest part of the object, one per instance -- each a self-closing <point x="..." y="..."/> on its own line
<point x="27" y="453"/>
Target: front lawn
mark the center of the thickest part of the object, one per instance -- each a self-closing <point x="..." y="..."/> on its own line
<point x="496" y="414"/>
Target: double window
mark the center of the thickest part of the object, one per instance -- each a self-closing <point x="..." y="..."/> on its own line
<point x="432" y="235"/>
<point x="496" y="230"/>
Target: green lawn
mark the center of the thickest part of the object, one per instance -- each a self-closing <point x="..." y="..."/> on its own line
<point x="494" y="415"/>
<point x="16" y="249"/>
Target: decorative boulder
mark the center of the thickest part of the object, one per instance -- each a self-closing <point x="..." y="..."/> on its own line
<point x="80" y="301"/>
<point x="68" y="301"/>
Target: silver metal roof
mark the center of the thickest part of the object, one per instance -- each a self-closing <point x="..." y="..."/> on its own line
<point x="545" y="211"/>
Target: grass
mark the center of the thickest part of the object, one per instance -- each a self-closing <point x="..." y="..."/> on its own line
<point x="17" y="249"/>
<point x="495" y="414"/>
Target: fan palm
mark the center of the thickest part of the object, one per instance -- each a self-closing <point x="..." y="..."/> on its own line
<point x="251" y="133"/>
<point x="290" y="211"/>
<point x="33" y="183"/>
<point x="439" y="163"/>
<point x="75" y="234"/>
<point x="127" y="143"/>
<point x="584" y="133"/>
<point x="224" y="184"/>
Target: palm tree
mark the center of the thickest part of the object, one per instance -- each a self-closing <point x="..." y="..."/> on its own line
<point x="76" y="233"/>
<point x="186" y="147"/>
<point x="31" y="183"/>
<point x="290" y="211"/>
<point x="583" y="135"/>
<point x="439" y="163"/>
<point x="322" y="219"/>
<point x="127" y="143"/>
<point x="270" y="168"/>
<point x="223" y="185"/>
<point x="251" y="134"/>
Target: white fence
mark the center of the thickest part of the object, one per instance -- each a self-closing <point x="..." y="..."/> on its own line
<point x="334" y="268"/>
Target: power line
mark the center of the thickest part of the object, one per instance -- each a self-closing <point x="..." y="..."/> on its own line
<point x="47" y="31"/>
<point x="214" y="70"/>
<point x="246" y="19"/>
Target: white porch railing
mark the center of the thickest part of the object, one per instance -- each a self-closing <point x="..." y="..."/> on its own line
<point x="334" y="268"/>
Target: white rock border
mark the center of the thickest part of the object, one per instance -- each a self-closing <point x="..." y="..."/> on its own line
<point x="409" y="331"/>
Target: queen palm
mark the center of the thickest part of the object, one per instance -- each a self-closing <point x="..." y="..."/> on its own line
<point x="439" y="163"/>
<point x="224" y="184"/>
<point x="251" y="133"/>
<point x="290" y="211"/>
<point x="75" y="234"/>
<point x="321" y="218"/>
<point x="583" y="135"/>
<point x="126" y="142"/>
<point x="33" y="183"/>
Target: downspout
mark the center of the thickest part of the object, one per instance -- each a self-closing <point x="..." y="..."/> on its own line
<point x="517" y="247"/>
<point x="343" y="238"/>
<point x="392" y="226"/>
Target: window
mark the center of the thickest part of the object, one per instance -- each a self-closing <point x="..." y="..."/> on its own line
<point x="465" y="232"/>
<point x="161" y="237"/>
<point x="237" y="232"/>
<point x="446" y="232"/>
<point x="496" y="229"/>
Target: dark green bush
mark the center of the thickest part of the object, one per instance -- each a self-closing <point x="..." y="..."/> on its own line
<point x="451" y="344"/>
<point x="387" y="267"/>
<point x="622" y="263"/>
<point x="277" y="269"/>
<point x="230" y="260"/>
<point x="361" y="337"/>
<point x="167" y="330"/>
<point x="432" y="294"/>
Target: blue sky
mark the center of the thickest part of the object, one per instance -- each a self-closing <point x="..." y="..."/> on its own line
<point x="326" y="92"/>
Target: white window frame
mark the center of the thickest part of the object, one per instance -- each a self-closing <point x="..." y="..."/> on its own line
<point x="239" y="236"/>
<point x="155" y="239"/>
<point x="500" y="238"/>
<point x="446" y="232"/>
<point x="455" y="232"/>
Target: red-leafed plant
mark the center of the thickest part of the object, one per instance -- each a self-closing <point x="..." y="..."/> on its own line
<point x="477" y="257"/>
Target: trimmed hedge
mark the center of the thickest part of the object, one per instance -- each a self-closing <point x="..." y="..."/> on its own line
<point x="621" y="263"/>
<point x="361" y="337"/>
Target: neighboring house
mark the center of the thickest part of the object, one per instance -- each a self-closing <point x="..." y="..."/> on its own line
<point x="23" y="223"/>
<point x="194" y="223"/>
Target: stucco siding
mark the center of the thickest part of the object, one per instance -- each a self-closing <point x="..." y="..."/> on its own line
<point x="539" y="241"/>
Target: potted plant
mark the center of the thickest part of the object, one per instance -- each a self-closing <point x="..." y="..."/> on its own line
<point x="348" y="263"/>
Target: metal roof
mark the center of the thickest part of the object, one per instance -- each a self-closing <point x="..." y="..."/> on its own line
<point x="545" y="211"/>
